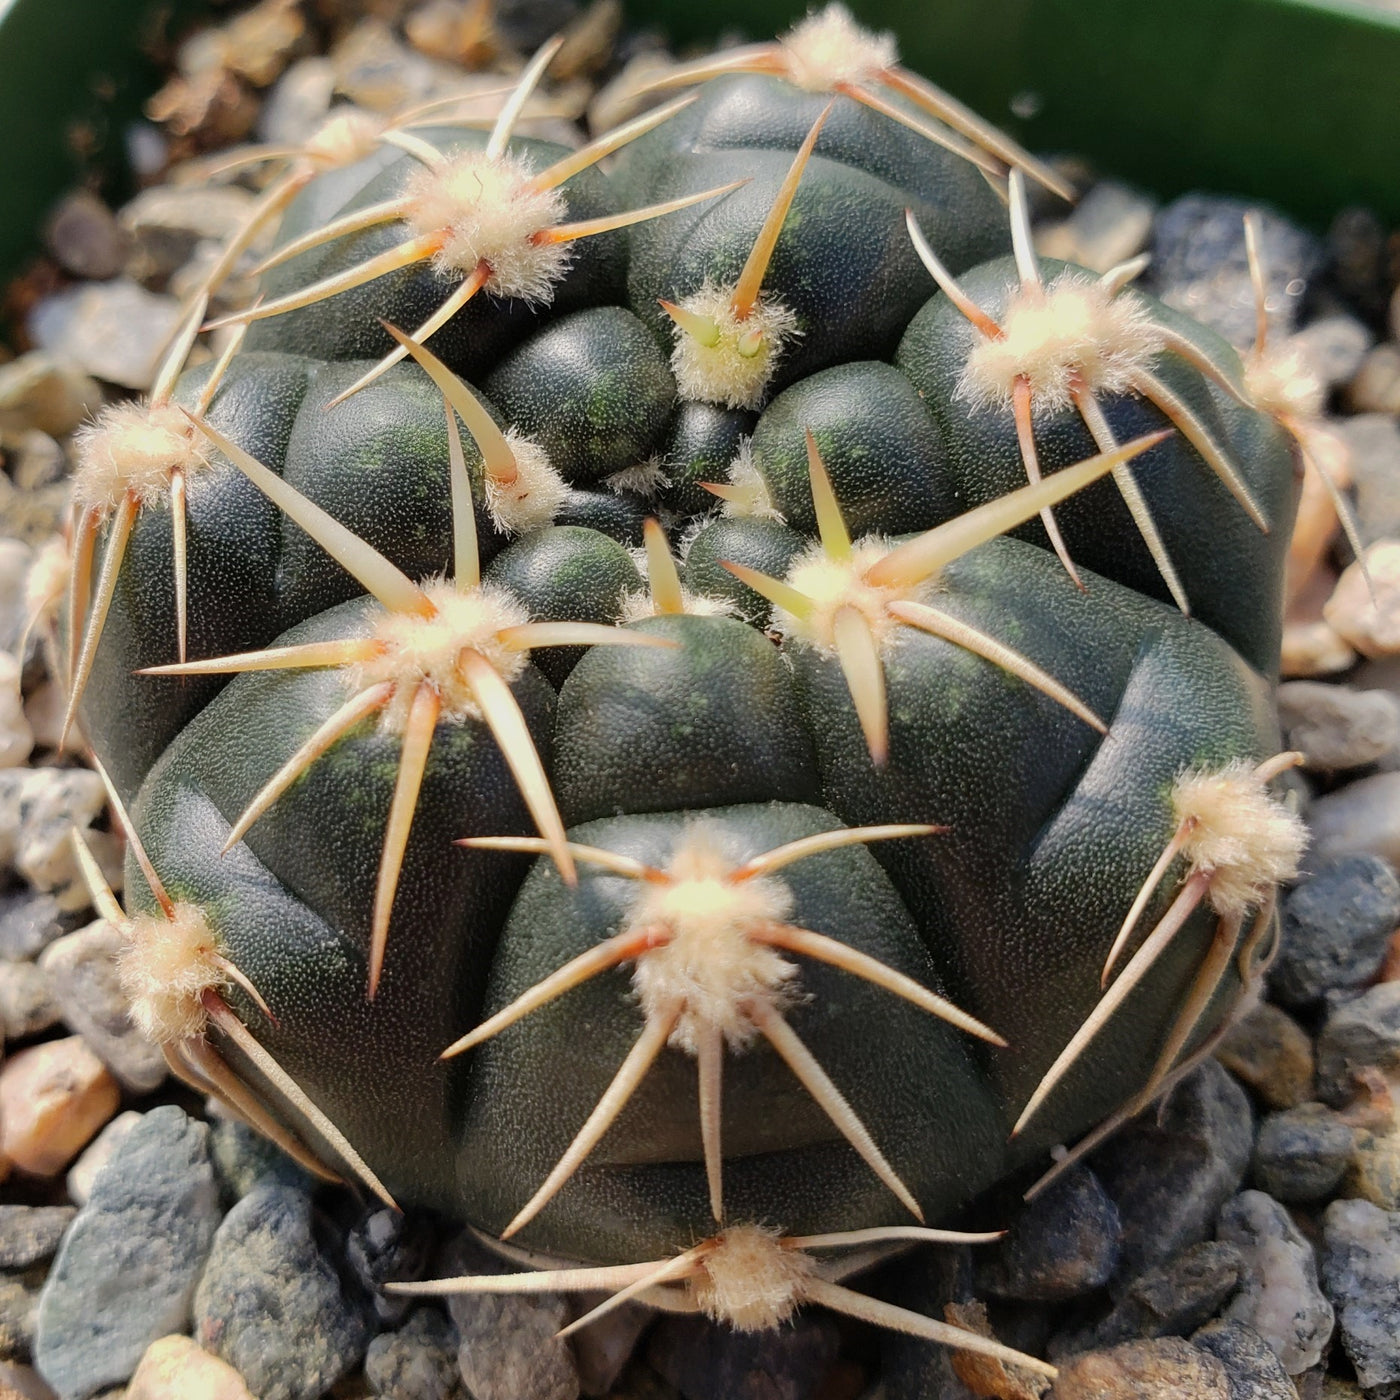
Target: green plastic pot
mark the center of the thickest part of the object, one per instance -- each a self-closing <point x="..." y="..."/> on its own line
<point x="1292" y="101"/>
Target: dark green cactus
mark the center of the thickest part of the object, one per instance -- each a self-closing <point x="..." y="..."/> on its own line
<point x="698" y="921"/>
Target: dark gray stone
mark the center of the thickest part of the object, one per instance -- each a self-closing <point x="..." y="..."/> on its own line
<point x="1337" y="727"/>
<point x="707" y="1362"/>
<point x="1062" y="1244"/>
<point x="418" y="1362"/>
<point x="387" y="1246"/>
<point x="244" y="1159"/>
<point x="31" y="1234"/>
<point x="1336" y="928"/>
<point x="1272" y="1054"/>
<point x="272" y="1301"/>
<point x="29" y="922"/>
<point x="84" y="237"/>
<point x="510" y="1348"/>
<point x="1361" y="1273"/>
<point x="128" y="1266"/>
<point x="1359" y="1033"/>
<point x="1169" y="1301"/>
<point x="1199" y="264"/>
<point x="526" y="24"/>
<point x="1279" y="1294"/>
<point x="1171" y="1171"/>
<point x="1251" y="1367"/>
<point x="1301" y="1154"/>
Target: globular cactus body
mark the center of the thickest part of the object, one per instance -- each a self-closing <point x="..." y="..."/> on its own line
<point x="840" y="817"/>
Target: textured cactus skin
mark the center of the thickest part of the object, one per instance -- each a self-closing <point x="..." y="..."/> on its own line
<point x="1051" y="827"/>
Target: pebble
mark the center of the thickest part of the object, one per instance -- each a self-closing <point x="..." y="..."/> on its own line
<point x="1371" y="627"/>
<point x="418" y="1362"/>
<point x="83" y="1173"/>
<point x="53" y="1098"/>
<point x="707" y="1362"/>
<point x="1361" y="1272"/>
<point x="15" y="560"/>
<point x="127" y="1270"/>
<point x="29" y="922"/>
<point x="1279" y="1296"/>
<point x="388" y="1246"/>
<point x="244" y="1159"/>
<point x="1336" y="927"/>
<point x="1109" y="225"/>
<point x="603" y="1348"/>
<point x="1302" y="1153"/>
<point x="19" y="1302"/>
<point x="1334" y="347"/>
<point x="27" y="1006"/>
<point x="1337" y="727"/>
<point x="16" y="737"/>
<point x="168" y="222"/>
<point x="1254" y="1372"/>
<point x="1061" y="1245"/>
<point x="42" y="391"/>
<point x="1375" y="388"/>
<point x="1199" y="264"/>
<point x="1271" y="1053"/>
<point x="1362" y="817"/>
<point x="1171" y="1300"/>
<point x="112" y="330"/>
<point x="376" y="70"/>
<point x="271" y="1302"/>
<point x="43" y="708"/>
<point x="526" y="24"/>
<point x="175" y="1368"/>
<point x="1373" y="440"/>
<point x="34" y="459"/>
<point x="297" y="103"/>
<point x="1171" y="1171"/>
<point x="82" y="969"/>
<point x="1362" y="1032"/>
<point x="509" y="1350"/>
<point x="30" y="1234"/>
<point x="39" y="807"/>
<point x="1313" y="649"/>
<point x="83" y="237"/>
<point x="1165" y="1369"/>
<point x="630" y="93"/>
<point x="1373" y="1174"/>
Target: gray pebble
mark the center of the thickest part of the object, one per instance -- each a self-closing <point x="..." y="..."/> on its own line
<point x="1251" y="1367"/>
<point x="127" y="1269"/>
<point x="82" y="1175"/>
<point x="1358" y="1033"/>
<point x="509" y="1348"/>
<point x="1110" y="224"/>
<point x="244" y="1159"/>
<point x="1337" y="727"/>
<point x="1336" y="928"/>
<point x="387" y="1246"/>
<point x="29" y="922"/>
<point x="1334" y="347"/>
<point x="1170" y="1172"/>
<point x="1199" y="264"/>
<point x="707" y="1362"/>
<point x="603" y="1348"/>
<point x="1301" y="1154"/>
<point x="84" y="238"/>
<point x="166" y="223"/>
<point x="271" y="1301"/>
<point x="82" y="969"/>
<point x="1374" y="440"/>
<point x="526" y="24"/>
<point x="39" y="807"/>
<point x="112" y="330"/>
<point x="31" y="1234"/>
<point x="1359" y="819"/>
<point x="1361" y="1272"/>
<point x="1169" y="1301"/>
<point x="418" y="1362"/>
<point x="45" y="392"/>
<point x="1279" y="1295"/>
<point x="1062" y="1244"/>
<point x="19" y="1301"/>
<point x="27" y="1005"/>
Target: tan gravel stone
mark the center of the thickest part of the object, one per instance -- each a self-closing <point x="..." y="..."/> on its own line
<point x="177" y="1368"/>
<point x="53" y="1098"/>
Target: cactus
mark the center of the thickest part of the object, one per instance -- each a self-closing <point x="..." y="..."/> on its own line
<point x="759" y="786"/>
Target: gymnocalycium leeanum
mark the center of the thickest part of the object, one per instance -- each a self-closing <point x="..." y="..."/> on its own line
<point x="690" y="702"/>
